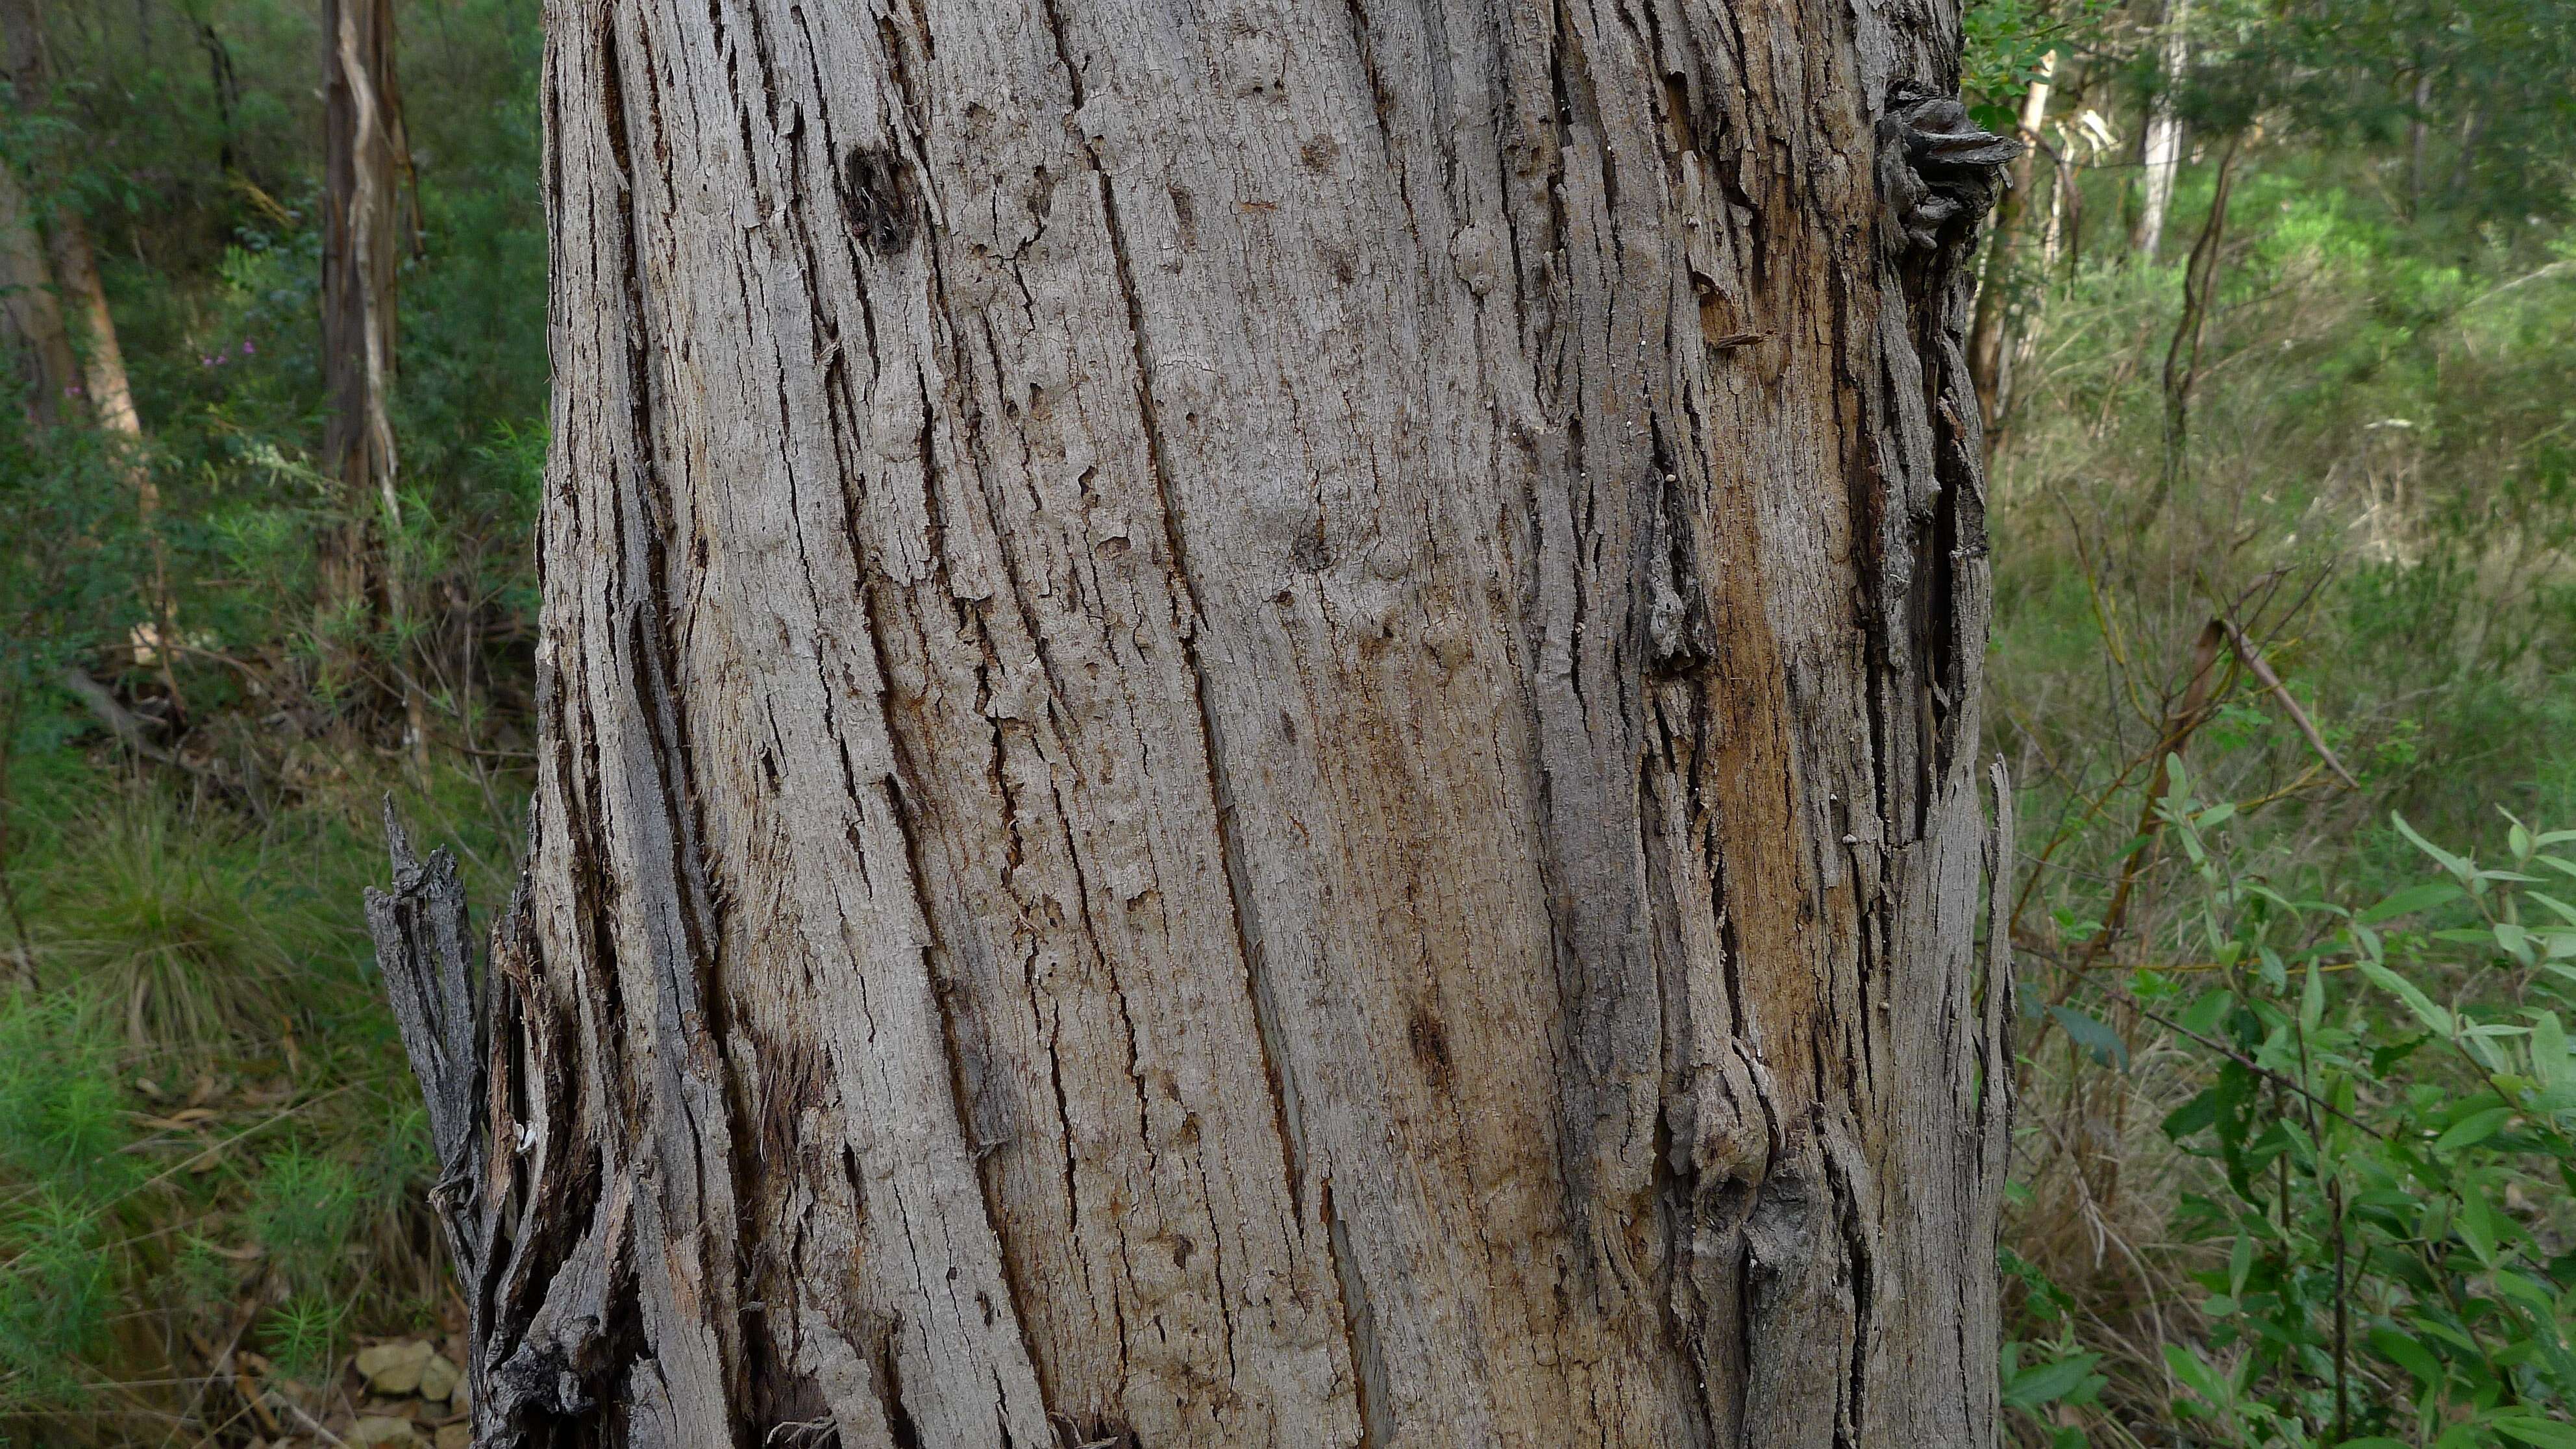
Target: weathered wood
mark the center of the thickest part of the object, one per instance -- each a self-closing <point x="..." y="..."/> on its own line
<point x="424" y="951"/>
<point x="1258" y="730"/>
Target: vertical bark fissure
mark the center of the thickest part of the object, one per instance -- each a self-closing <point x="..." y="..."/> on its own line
<point x="1359" y="1327"/>
<point x="1283" y="1087"/>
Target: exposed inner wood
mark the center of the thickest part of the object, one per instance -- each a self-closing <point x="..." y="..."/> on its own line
<point x="1258" y="732"/>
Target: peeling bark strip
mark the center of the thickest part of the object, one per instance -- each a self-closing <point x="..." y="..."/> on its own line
<point x="1258" y="731"/>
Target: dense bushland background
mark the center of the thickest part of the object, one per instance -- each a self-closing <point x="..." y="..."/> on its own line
<point x="2284" y="666"/>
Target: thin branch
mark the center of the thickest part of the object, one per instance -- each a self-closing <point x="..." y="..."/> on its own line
<point x="2253" y="658"/>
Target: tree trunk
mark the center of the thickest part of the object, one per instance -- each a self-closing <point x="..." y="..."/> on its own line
<point x="111" y="396"/>
<point x="33" y="311"/>
<point x="1997" y="300"/>
<point x="2063" y="197"/>
<point x="364" y="156"/>
<point x="2160" y="142"/>
<point x="1258" y="729"/>
<point x="81" y="295"/>
<point x="2419" y="136"/>
<point x="74" y="264"/>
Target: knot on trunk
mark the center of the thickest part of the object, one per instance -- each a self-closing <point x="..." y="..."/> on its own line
<point x="879" y="198"/>
<point x="1941" y="173"/>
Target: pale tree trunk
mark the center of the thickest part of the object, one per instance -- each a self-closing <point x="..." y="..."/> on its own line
<point x="111" y="396"/>
<point x="2160" y="143"/>
<point x="82" y="302"/>
<point x="74" y="264"/>
<point x="1258" y="729"/>
<point x="111" y="399"/>
<point x="364" y="158"/>
<point x="1989" y="340"/>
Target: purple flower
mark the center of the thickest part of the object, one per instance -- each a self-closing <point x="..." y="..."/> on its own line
<point x="247" y="349"/>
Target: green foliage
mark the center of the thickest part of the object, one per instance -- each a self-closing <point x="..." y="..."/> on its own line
<point x="2374" y="486"/>
<point x="206" y="1123"/>
<point x="286" y="1182"/>
<point x="2395" y="1117"/>
<point x="57" y="1292"/>
<point x="64" y="1167"/>
<point x="182" y="920"/>
<point x="301" y="1333"/>
<point x="2006" y="44"/>
<point x="2386" y="1247"/>
<point x="301" y="1210"/>
<point x="62" y="1114"/>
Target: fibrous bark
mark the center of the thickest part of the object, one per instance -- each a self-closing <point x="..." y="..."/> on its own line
<point x="1258" y="730"/>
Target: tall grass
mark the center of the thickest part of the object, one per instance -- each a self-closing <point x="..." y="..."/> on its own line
<point x="208" y="1133"/>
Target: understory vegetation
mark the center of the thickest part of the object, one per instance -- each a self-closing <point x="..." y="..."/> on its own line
<point x="2284" y="671"/>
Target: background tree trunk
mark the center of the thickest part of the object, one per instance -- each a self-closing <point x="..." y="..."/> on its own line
<point x="1257" y="730"/>
<point x="33" y="310"/>
<point x="74" y="265"/>
<point x="1990" y="339"/>
<point x="81" y="299"/>
<point x="364" y="157"/>
<point x="2160" y="141"/>
<point x="32" y="305"/>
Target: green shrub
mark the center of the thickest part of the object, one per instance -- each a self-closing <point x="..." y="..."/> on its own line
<point x="2385" y="1143"/>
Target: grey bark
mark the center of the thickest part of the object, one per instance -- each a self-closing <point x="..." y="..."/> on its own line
<point x="1258" y="730"/>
